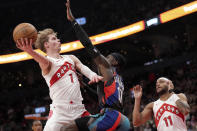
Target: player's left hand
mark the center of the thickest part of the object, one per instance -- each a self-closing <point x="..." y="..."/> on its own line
<point x="95" y="79"/>
<point x="137" y="92"/>
<point x="24" y="44"/>
<point x="70" y="16"/>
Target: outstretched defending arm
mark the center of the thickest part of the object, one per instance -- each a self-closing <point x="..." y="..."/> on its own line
<point x="81" y="34"/>
<point x="101" y="62"/>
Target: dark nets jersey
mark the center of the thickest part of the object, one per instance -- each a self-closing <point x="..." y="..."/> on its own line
<point x="110" y="92"/>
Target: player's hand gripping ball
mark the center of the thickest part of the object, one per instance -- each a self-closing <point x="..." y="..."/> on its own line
<point x="25" y="30"/>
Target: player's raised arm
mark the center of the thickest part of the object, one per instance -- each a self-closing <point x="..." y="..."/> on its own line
<point x="100" y="60"/>
<point x="26" y="45"/>
<point x="140" y="118"/>
<point x="81" y="34"/>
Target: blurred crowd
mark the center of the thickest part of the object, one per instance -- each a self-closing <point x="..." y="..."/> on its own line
<point x="101" y="16"/>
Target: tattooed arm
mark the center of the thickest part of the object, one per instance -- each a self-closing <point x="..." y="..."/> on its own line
<point x="182" y="104"/>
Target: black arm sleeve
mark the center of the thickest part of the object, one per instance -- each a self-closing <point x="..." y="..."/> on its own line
<point x="84" y="39"/>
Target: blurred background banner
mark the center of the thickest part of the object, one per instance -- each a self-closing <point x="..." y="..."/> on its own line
<point x="115" y="34"/>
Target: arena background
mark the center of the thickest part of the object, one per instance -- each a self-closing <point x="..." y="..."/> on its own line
<point x="167" y="49"/>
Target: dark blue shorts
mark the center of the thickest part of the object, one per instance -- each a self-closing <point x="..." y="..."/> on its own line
<point x="108" y="120"/>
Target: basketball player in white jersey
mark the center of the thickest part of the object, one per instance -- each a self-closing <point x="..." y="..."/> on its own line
<point x="169" y="110"/>
<point x="59" y="72"/>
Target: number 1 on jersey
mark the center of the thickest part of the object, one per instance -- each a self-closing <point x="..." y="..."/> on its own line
<point x="71" y="77"/>
<point x="166" y="119"/>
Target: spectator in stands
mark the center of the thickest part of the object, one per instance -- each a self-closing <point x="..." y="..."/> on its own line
<point x="37" y="125"/>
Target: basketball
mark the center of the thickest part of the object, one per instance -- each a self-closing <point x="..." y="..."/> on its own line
<point x="25" y="30"/>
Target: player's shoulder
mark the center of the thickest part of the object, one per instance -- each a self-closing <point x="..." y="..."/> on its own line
<point x="69" y="56"/>
<point x="150" y="105"/>
<point x="156" y="101"/>
<point x="66" y="55"/>
<point x="182" y="96"/>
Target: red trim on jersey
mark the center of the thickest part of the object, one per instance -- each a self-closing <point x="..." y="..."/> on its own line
<point x="61" y="72"/>
<point x="50" y="114"/>
<point x="169" y="108"/>
<point x="86" y="113"/>
<point x="103" y="100"/>
<point x="109" y="90"/>
<point x="116" y="123"/>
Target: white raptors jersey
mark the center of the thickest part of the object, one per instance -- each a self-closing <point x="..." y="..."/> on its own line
<point x="167" y="115"/>
<point x="63" y="81"/>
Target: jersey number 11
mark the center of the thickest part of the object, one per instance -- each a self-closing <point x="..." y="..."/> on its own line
<point x="168" y="120"/>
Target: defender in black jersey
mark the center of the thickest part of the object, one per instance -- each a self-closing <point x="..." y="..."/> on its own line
<point x="110" y="91"/>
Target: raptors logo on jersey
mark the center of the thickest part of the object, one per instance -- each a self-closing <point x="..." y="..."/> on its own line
<point x="167" y="116"/>
<point x="63" y="81"/>
<point x="61" y="72"/>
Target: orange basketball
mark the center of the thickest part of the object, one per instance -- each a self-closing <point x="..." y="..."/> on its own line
<point x="25" y="30"/>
